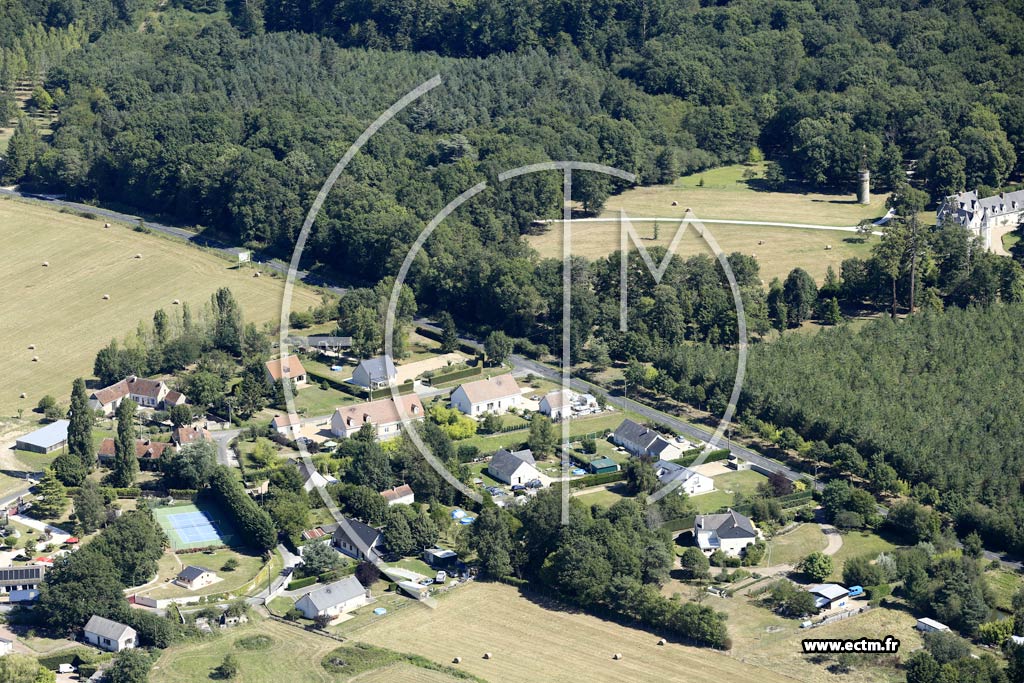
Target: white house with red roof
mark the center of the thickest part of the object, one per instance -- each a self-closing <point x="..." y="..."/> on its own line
<point x="492" y="395"/>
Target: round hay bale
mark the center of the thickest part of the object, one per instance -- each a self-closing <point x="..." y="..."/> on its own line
<point x="23" y="395"/>
<point x="106" y="225"/>
<point x="487" y="655"/>
<point x="176" y="302"/>
<point x="760" y="242"/>
<point x="106" y="296"/>
<point x="46" y="264"/>
<point x="138" y="256"/>
<point x="35" y="359"/>
<point x="661" y="641"/>
<point x="828" y="247"/>
<point x="31" y="347"/>
<point x="675" y="203"/>
<point x="256" y="274"/>
<point x="457" y="660"/>
<point x="617" y="655"/>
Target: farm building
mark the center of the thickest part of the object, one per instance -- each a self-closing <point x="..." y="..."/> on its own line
<point x="21" y="584"/>
<point x="929" y="625"/>
<point x="334" y="599"/>
<point x="288" y="426"/>
<point x="730" y="532"/>
<point x="109" y="635"/>
<point x="148" y="453"/>
<point x="440" y="558"/>
<point x="289" y="367"/>
<point x="48" y="439"/>
<point x="828" y="595"/>
<point x="399" y="495"/>
<point x="362" y="543"/>
<point x="691" y="482"/>
<point x="513" y="468"/>
<point x="603" y="466"/>
<point x="382" y="414"/>
<point x="193" y="577"/>
<point x="492" y="395"/>
<point x="147" y="393"/>
<point x="375" y="373"/>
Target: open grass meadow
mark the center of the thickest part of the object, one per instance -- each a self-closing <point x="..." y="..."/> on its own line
<point x="530" y="642"/>
<point x="291" y="655"/>
<point x="726" y="195"/>
<point x="60" y="308"/>
<point x="794" y="546"/>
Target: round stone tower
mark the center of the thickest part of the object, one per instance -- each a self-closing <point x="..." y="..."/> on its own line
<point x="864" y="188"/>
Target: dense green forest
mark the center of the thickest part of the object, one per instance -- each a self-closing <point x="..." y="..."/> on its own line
<point x="933" y="400"/>
<point x="812" y="82"/>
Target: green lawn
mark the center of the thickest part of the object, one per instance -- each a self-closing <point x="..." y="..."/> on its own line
<point x="1004" y="585"/>
<point x="293" y="655"/>
<point x="312" y="400"/>
<point x="415" y="565"/>
<point x="248" y="566"/>
<point x="792" y="547"/>
<point x="604" y="497"/>
<point x="35" y="462"/>
<point x="744" y="481"/>
<point x="857" y="543"/>
<point x="714" y="501"/>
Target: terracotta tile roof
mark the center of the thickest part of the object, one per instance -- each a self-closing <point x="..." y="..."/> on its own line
<point x="286" y="420"/>
<point x="382" y="411"/>
<point x="491" y="388"/>
<point x="288" y="367"/>
<point x="144" y="449"/>
<point x="130" y="385"/>
<point x="397" y="492"/>
<point x="112" y="393"/>
<point x="188" y="434"/>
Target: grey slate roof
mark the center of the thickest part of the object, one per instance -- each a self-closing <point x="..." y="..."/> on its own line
<point x="105" y="628"/>
<point x="191" y="572"/>
<point x="334" y="594"/>
<point x="379" y="369"/>
<point x="366" y="533"/>
<point x="658" y="446"/>
<point x="504" y="462"/>
<point x="635" y="432"/>
<point x="727" y="525"/>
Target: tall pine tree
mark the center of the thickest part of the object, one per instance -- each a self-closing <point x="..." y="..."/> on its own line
<point x="80" y="426"/>
<point x="125" y="464"/>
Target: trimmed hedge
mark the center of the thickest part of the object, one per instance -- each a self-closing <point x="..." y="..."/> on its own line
<point x="182" y="494"/>
<point x="597" y="479"/>
<point x="456" y="374"/>
<point x="301" y="583"/>
<point x="251" y="520"/>
<point x="403" y="389"/>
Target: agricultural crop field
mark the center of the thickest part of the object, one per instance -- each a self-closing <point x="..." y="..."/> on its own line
<point x="60" y="308"/>
<point x="532" y="643"/>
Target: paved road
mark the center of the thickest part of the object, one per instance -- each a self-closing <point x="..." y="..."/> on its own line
<point x="176" y="233"/>
<point x="521" y="364"/>
<point x="655" y="415"/>
<point x="723" y="221"/>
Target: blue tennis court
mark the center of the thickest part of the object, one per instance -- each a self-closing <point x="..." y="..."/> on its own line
<point x="194" y="527"/>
